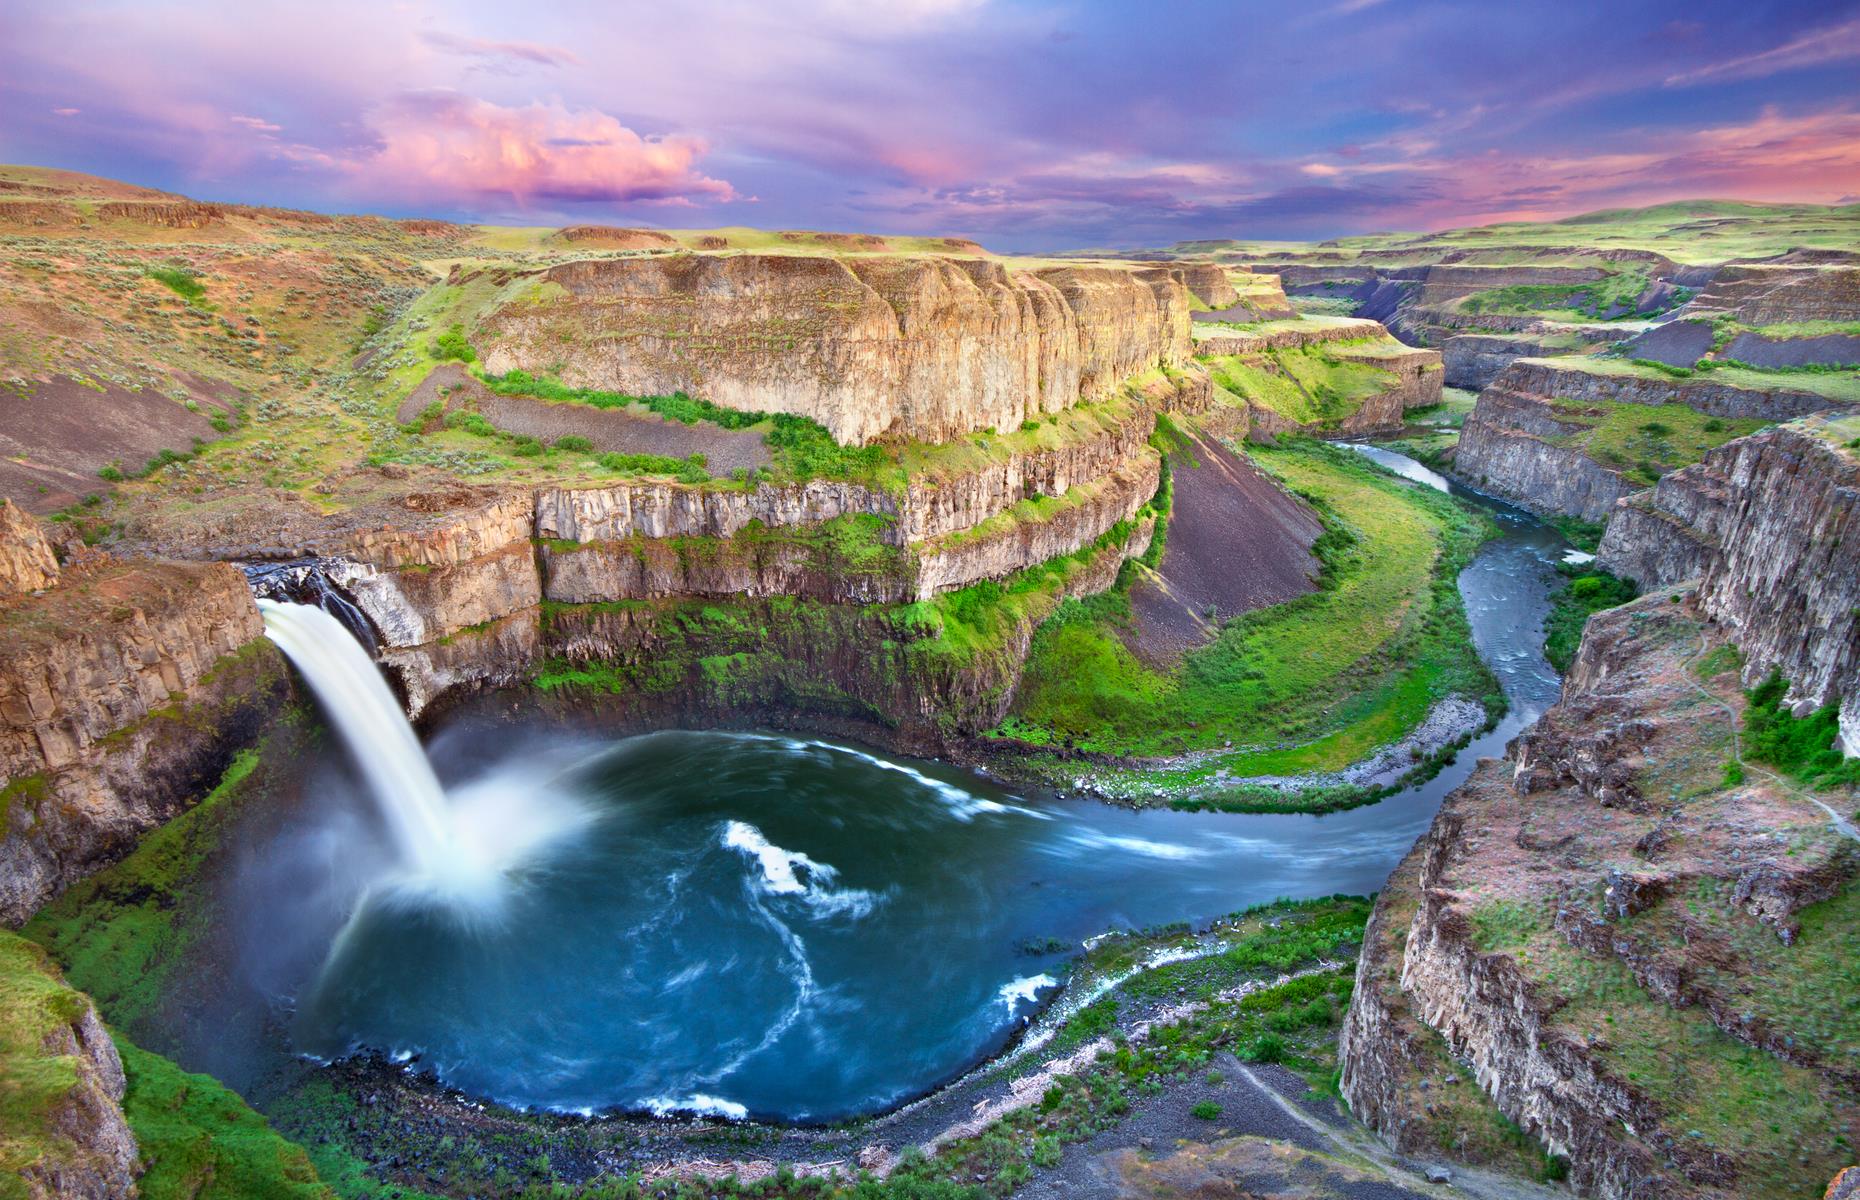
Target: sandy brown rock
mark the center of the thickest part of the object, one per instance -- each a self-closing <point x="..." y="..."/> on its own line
<point x="124" y="691"/>
<point x="26" y="560"/>
<point x="927" y="348"/>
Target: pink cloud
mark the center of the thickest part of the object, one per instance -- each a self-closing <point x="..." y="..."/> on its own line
<point x="445" y="145"/>
<point x="487" y="48"/>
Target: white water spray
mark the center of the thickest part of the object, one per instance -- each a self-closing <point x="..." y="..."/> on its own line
<point x="460" y="845"/>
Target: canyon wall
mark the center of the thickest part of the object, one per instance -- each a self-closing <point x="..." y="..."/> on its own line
<point x="1768" y="523"/>
<point x="1764" y="294"/>
<point x="124" y="692"/>
<point x="1523" y="439"/>
<point x="1592" y="952"/>
<point x="898" y="348"/>
<point x="1610" y="890"/>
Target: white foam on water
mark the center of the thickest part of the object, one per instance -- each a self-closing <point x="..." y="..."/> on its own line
<point x="778" y="865"/>
<point x="962" y="804"/>
<point x="1577" y="558"/>
<point x="698" y="1105"/>
<point x="1091" y="839"/>
<point x="1024" y="990"/>
<point x="792" y="873"/>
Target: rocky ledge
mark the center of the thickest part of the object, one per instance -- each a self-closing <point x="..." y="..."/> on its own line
<point x="1769" y="523"/>
<point x="124" y="691"/>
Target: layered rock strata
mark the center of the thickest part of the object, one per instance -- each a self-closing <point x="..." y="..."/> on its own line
<point x="1770" y="524"/>
<point x="924" y="348"/>
<point x="1522" y="440"/>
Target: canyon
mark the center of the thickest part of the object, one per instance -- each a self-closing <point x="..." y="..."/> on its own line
<point x="1001" y="512"/>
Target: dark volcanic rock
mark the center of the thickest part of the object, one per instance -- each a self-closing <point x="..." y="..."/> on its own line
<point x="1676" y="343"/>
<point x="1833" y="349"/>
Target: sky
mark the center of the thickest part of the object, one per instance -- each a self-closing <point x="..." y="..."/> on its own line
<point x="1027" y="124"/>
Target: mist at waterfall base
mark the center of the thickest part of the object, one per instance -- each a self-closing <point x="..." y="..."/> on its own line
<point x="773" y="926"/>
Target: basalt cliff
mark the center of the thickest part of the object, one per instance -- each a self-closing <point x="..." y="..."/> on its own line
<point x="1620" y="939"/>
<point x="924" y="348"/>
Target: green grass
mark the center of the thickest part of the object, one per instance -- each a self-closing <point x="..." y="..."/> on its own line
<point x="1583" y="535"/>
<point x="1835" y="384"/>
<point x="34" y="1084"/>
<point x="196" y="1140"/>
<point x="1308" y="384"/>
<point x="802" y="448"/>
<point x="1570" y="301"/>
<point x="201" y="1142"/>
<point x="1646" y="441"/>
<point x="1766" y="1115"/>
<point x="181" y="281"/>
<point x="1587" y="591"/>
<point x="1310" y="685"/>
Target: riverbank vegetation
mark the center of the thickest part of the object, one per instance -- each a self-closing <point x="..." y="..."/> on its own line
<point x="1311" y="685"/>
<point x="1587" y="591"/>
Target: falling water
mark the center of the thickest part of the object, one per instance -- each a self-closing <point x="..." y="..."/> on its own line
<point x="370" y="722"/>
<point x="459" y="846"/>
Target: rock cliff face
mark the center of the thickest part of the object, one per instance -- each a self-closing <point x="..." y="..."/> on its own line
<point x="1511" y="446"/>
<point x="1474" y="360"/>
<point x="1287" y="337"/>
<point x="1763" y="295"/>
<point x="925" y="348"/>
<point x="26" y="560"/>
<point x="1413" y="376"/>
<point x="1583" y="924"/>
<point x="1209" y="283"/>
<point x="1520" y="441"/>
<point x="1771" y="525"/>
<point x="123" y="693"/>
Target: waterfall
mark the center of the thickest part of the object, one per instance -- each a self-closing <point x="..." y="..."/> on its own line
<point x="371" y="724"/>
<point x="460" y="848"/>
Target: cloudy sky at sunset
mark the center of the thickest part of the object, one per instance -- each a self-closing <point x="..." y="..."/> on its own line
<point x="1030" y="125"/>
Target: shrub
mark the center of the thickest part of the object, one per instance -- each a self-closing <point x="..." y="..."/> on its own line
<point x="1206" y="1110"/>
<point x="179" y="280"/>
<point x="1590" y="590"/>
<point x="574" y="442"/>
<point x="113" y="473"/>
<point x="451" y="346"/>
<point x="1804" y="747"/>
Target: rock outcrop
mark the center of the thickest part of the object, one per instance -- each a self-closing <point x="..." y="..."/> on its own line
<point x="1764" y="294"/>
<point x="1583" y="924"/>
<point x="26" y="560"/>
<point x="65" y="1086"/>
<point x="124" y="691"/>
<point x="1209" y="283"/>
<point x="1288" y="336"/>
<point x="925" y="348"/>
<point x="1771" y="524"/>
<point x="1474" y="360"/>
